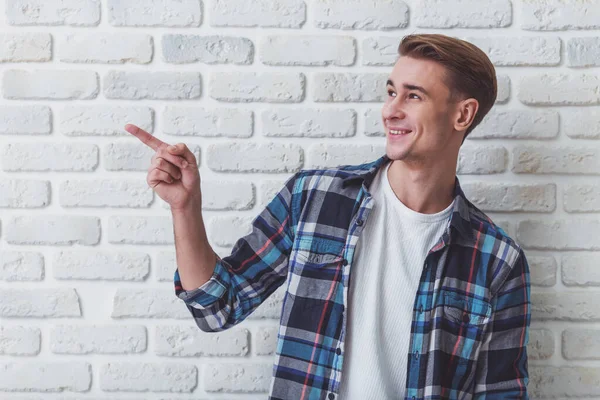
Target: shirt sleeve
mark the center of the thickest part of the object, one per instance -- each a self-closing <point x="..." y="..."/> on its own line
<point x="502" y="371"/>
<point x="256" y="267"/>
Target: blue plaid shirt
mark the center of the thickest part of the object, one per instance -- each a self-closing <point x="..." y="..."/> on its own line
<point x="471" y="313"/>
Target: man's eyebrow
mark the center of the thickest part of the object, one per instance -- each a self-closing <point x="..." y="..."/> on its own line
<point x="410" y="87"/>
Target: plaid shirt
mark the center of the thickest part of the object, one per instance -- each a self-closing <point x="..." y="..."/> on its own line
<point x="471" y="312"/>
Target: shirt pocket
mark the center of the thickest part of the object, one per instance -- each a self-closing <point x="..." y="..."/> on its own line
<point x="315" y="275"/>
<point x="463" y="323"/>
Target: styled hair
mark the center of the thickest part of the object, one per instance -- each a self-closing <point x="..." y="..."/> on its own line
<point x="469" y="71"/>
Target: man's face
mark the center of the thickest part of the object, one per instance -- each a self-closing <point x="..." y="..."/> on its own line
<point x="418" y="114"/>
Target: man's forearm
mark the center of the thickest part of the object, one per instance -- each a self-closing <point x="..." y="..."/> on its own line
<point x="195" y="257"/>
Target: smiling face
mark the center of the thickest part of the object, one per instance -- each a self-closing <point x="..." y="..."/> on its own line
<point x="419" y="115"/>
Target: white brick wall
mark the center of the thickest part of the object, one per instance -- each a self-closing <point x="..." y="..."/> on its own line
<point x="259" y="90"/>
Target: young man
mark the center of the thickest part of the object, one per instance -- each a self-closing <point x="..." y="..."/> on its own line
<point x="396" y="285"/>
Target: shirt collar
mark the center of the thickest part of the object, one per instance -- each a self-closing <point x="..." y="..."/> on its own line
<point x="460" y="218"/>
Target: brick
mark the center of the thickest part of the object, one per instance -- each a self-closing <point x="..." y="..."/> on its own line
<point x="40" y="376"/>
<point x="106" y="193"/>
<point x="542" y="270"/>
<point x="166" y="264"/>
<point x="152" y="85"/>
<point x="583" y="52"/>
<point x="520" y="51"/>
<point x="547" y="382"/>
<point x="565" y="306"/>
<point x="148" y="303"/>
<point x="39" y="302"/>
<point x="268" y="190"/>
<point x="380" y="51"/>
<point x="103" y="120"/>
<point x="58" y="157"/>
<point x="254" y="157"/>
<point x="53" y="12"/>
<point x="180" y="49"/>
<point x="373" y="123"/>
<point x="50" y="85"/>
<point x="101" y="265"/>
<point x="271" y="308"/>
<point x="25" y="120"/>
<point x="335" y="155"/>
<point x="580" y="270"/>
<point x="575" y="234"/>
<point x="270" y="87"/>
<point x="357" y="14"/>
<point x="349" y="87"/>
<point x="541" y="344"/>
<point x="556" y="160"/>
<point x="462" y="14"/>
<point x="265" y="340"/>
<point x="140" y="230"/>
<point x="560" y="89"/>
<point x="106" y="48"/>
<point x="57" y="230"/>
<point x="144" y="377"/>
<point x="237" y="378"/>
<point x="581" y="123"/>
<point x="133" y="156"/>
<point x="19" y="341"/>
<point x="225" y="231"/>
<point x="156" y="13"/>
<point x="312" y="123"/>
<point x="517" y="124"/>
<point x="205" y="122"/>
<point x="555" y="15"/>
<point x="21" y="193"/>
<point x="581" y="198"/>
<point x="98" y="339"/>
<point x="507" y="197"/>
<point x="227" y="195"/>
<point x="21" y="266"/>
<point x="581" y="344"/>
<point x="189" y="341"/>
<point x="480" y="160"/>
<point x="503" y="83"/>
<point x="308" y="50"/>
<point x="262" y="13"/>
<point x="25" y="47"/>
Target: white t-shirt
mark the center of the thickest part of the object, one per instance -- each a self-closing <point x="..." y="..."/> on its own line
<point x="384" y="278"/>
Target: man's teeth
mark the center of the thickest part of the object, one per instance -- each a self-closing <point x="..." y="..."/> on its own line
<point x="399" y="132"/>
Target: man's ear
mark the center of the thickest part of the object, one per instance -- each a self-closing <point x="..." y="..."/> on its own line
<point x="465" y="114"/>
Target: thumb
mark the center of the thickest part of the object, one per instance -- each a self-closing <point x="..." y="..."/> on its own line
<point x="180" y="149"/>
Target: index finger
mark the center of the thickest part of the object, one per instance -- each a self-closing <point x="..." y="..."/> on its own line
<point x="145" y="137"/>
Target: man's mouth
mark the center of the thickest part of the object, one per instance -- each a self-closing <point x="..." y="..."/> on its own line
<point x="396" y="132"/>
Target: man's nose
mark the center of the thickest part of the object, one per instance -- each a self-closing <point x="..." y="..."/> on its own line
<point x="393" y="110"/>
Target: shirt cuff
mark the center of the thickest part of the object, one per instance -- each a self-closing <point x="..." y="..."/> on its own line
<point x="207" y="294"/>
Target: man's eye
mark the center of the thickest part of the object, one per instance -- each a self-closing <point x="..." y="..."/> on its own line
<point x="416" y="96"/>
<point x="391" y="93"/>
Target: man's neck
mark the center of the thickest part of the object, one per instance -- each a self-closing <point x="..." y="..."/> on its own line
<point x="426" y="190"/>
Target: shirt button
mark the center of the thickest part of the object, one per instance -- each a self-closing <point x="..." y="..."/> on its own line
<point x="414" y="398"/>
<point x="416" y="355"/>
<point x="331" y="396"/>
<point x="338" y="351"/>
<point x="466" y="318"/>
<point x="359" y="222"/>
<point x="421" y="309"/>
<point x="345" y="262"/>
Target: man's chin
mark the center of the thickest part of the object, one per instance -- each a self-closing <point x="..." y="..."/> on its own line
<point x="396" y="155"/>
